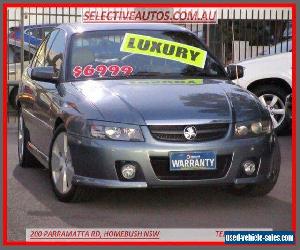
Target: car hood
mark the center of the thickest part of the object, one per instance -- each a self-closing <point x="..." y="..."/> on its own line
<point x="157" y="101"/>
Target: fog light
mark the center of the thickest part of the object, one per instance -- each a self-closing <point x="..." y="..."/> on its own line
<point x="128" y="171"/>
<point x="249" y="167"/>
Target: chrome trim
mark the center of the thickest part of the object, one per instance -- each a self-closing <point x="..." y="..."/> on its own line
<point x="38" y="154"/>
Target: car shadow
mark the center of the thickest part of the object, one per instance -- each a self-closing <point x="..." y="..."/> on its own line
<point x="197" y="207"/>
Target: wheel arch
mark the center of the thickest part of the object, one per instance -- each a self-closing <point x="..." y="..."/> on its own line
<point x="274" y="81"/>
<point x="18" y="105"/>
<point x="58" y="122"/>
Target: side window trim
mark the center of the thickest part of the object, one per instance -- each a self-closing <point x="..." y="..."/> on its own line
<point x="33" y="62"/>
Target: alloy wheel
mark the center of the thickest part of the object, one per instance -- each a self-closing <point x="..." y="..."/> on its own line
<point x="61" y="164"/>
<point x="275" y="106"/>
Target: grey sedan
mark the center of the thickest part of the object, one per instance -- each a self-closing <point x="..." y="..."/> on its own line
<point x="137" y="106"/>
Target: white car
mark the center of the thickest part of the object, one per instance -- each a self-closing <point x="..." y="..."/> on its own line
<point x="270" y="78"/>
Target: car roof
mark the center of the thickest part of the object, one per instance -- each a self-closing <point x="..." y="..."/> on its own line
<point x="82" y="27"/>
<point x="34" y="26"/>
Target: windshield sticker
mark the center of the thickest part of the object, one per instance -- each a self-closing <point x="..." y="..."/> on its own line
<point x="102" y="70"/>
<point x="151" y="46"/>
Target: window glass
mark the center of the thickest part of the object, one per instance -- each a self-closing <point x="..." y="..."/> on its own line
<point x="15" y="54"/>
<point x="93" y="52"/>
<point x="39" y="61"/>
<point x="45" y="31"/>
<point x="27" y="55"/>
<point x="55" y="53"/>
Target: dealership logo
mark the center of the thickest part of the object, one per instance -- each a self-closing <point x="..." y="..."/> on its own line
<point x="190" y="133"/>
<point x="150" y="15"/>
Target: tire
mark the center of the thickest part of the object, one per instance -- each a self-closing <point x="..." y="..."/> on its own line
<point x="12" y="97"/>
<point x="270" y="90"/>
<point x="62" y="171"/>
<point x="26" y="159"/>
<point x="261" y="189"/>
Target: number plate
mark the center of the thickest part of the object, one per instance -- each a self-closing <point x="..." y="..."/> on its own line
<point x="180" y="161"/>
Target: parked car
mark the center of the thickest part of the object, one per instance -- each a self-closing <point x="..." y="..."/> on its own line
<point x="270" y="78"/>
<point x="14" y="67"/>
<point x="159" y="111"/>
<point x="33" y="34"/>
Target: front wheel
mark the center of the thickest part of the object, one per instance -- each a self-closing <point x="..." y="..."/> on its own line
<point x="273" y="98"/>
<point x="26" y="159"/>
<point x="62" y="170"/>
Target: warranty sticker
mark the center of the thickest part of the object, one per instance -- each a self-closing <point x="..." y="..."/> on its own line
<point x="151" y="46"/>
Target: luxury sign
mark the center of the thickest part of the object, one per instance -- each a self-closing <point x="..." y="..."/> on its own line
<point x="151" y="46"/>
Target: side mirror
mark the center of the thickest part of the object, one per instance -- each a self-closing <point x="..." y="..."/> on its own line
<point x="235" y="71"/>
<point x="45" y="74"/>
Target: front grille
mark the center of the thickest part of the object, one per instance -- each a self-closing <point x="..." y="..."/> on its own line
<point x="161" y="166"/>
<point x="174" y="133"/>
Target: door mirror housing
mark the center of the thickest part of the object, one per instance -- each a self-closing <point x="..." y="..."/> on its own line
<point x="235" y="71"/>
<point x="45" y="74"/>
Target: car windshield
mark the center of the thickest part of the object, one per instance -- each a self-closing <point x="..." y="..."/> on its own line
<point x="139" y="54"/>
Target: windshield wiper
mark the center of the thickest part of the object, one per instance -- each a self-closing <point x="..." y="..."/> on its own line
<point x="145" y="73"/>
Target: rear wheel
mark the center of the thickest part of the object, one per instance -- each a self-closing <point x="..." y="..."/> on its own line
<point x="62" y="170"/>
<point x="12" y="97"/>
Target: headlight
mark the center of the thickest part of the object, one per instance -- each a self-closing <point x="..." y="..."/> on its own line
<point x="115" y="131"/>
<point x="251" y="129"/>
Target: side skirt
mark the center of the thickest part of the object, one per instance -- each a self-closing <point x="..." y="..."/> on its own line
<point x="38" y="154"/>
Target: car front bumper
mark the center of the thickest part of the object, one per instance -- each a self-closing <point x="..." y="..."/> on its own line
<point x="96" y="161"/>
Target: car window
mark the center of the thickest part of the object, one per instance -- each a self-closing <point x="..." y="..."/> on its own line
<point x="27" y="55"/>
<point x="45" y="31"/>
<point x="42" y="32"/>
<point x="32" y="32"/>
<point x="15" y="54"/>
<point x="55" y="53"/>
<point x="95" y="54"/>
<point x="39" y="60"/>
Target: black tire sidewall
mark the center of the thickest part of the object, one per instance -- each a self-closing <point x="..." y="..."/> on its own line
<point x="12" y="97"/>
<point x="28" y="159"/>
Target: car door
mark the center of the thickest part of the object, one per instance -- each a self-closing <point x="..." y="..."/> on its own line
<point x="47" y="90"/>
<point x="28" y="95"/>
